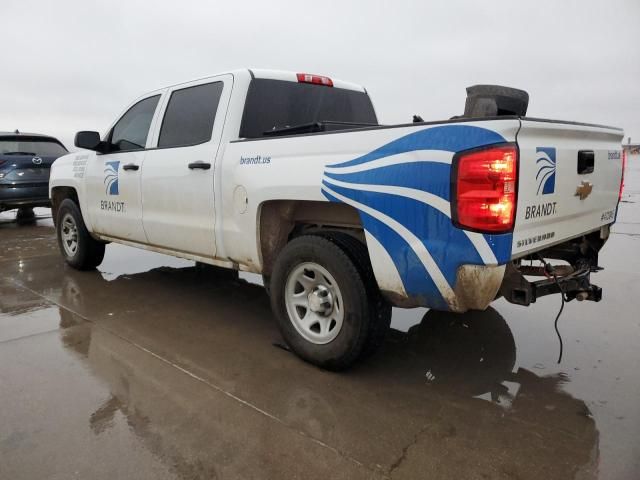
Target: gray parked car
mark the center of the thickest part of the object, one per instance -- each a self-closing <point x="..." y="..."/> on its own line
<point x="25" y="163"/>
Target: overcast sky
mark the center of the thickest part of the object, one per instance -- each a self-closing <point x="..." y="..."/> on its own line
<point x="73" y="65"/>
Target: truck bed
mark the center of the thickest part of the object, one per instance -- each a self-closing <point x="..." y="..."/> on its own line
<point x="399" y="179"/>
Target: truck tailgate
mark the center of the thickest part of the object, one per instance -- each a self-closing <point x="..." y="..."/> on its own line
<point x="569" y="181"/>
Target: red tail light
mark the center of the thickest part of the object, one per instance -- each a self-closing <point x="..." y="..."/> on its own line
<point x="624" y="166"/>
<point x="315" y="79"/>
<point x="484" y="197"/>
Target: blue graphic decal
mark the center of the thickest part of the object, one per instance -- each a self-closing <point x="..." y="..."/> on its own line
<point x="449" y="138"/>
<point x="422" y="219"/>
<point x="417" y="281"/>
<point x="431" y="177"/>
<point x="500" y="245"/>
<point x="450" y="247"/>
<point x="546" y="174"/>
<point x="111" y="177"/>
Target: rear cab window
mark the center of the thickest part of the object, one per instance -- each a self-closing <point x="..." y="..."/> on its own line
<point x="275" y="104"/>
<point x="190" y="115"/>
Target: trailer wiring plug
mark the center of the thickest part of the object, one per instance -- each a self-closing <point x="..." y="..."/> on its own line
<point x="551" y="273"/>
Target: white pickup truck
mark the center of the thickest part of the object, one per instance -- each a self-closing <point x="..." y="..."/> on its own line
<point x="291" y="176"/>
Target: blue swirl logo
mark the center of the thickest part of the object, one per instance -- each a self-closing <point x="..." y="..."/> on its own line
<point x="546" y="174"/>
<point x="111" y="177"/>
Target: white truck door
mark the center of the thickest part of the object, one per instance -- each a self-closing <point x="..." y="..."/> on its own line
<point x="178" y="174"/>
<point x="113" y="178"/>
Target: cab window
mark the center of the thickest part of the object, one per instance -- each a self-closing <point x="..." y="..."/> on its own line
<point x="275" y="104"/>
<point x="131" y="131"/>
<point x="190" y="115"/>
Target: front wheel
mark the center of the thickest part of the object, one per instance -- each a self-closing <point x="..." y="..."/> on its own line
<point x="322" y="302"/>
<point x="78" y="248"/>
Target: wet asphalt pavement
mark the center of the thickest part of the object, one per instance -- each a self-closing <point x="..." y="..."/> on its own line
<point x="153" y="368"/>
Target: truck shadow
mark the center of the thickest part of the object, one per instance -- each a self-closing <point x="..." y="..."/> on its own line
<point x="444" y="397"/>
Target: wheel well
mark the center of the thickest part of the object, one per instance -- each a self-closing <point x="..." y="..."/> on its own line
<point x="58" y="194"/>
<point x="282" y="220"/>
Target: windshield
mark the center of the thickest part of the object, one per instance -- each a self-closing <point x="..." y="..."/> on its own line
<point x="36" y="146"/>
<point x="276" y="104"/>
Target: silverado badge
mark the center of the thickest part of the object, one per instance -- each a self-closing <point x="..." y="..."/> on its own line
<point x="584" y="190"/>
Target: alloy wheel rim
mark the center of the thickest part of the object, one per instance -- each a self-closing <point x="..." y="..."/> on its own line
<point x="69" y="235"/>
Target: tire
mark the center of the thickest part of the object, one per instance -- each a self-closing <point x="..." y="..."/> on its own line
<point x="266" y="282"/>
<point x="25" y="215"/>
<point x="78" y="248"/>
<point x="379" y="307"/>
<point x="322" y="301"/>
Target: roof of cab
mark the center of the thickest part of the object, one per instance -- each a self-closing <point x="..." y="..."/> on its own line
<point x="273" y="75"/>
<point x="293" y="77"/>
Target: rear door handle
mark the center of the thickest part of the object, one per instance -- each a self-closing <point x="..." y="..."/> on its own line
<point x="130" y="166"/>
<point x="199" y="166"/>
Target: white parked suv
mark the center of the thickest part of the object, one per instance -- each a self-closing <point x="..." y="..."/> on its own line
<point x="291" y="176"/>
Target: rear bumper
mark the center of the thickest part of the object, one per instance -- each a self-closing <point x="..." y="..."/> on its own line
<point x="476" y="286"/>
<point x="572" y="280"/>
<point x="15" y="196"/>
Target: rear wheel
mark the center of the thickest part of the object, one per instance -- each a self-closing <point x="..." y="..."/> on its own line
<point x="78" y="248"/>
<point x="322" y="301"/>
<point x="379" y="307"/>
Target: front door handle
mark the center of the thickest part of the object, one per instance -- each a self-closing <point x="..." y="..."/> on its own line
<point x="199" y="166"/>
<point x="130" y="166"/>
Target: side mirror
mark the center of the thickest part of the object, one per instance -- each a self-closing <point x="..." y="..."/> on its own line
<point x="88" y="140"/>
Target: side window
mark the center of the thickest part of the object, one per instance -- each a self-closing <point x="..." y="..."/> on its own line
<point x="130" y="133"/>
<point x="190" y="115"/>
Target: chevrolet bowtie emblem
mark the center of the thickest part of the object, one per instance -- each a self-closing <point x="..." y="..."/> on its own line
<point x="584" y="190"/>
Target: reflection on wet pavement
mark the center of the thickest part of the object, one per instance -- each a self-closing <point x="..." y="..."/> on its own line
<point x="194" y="379"/>
<point x="154" y="368"/>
